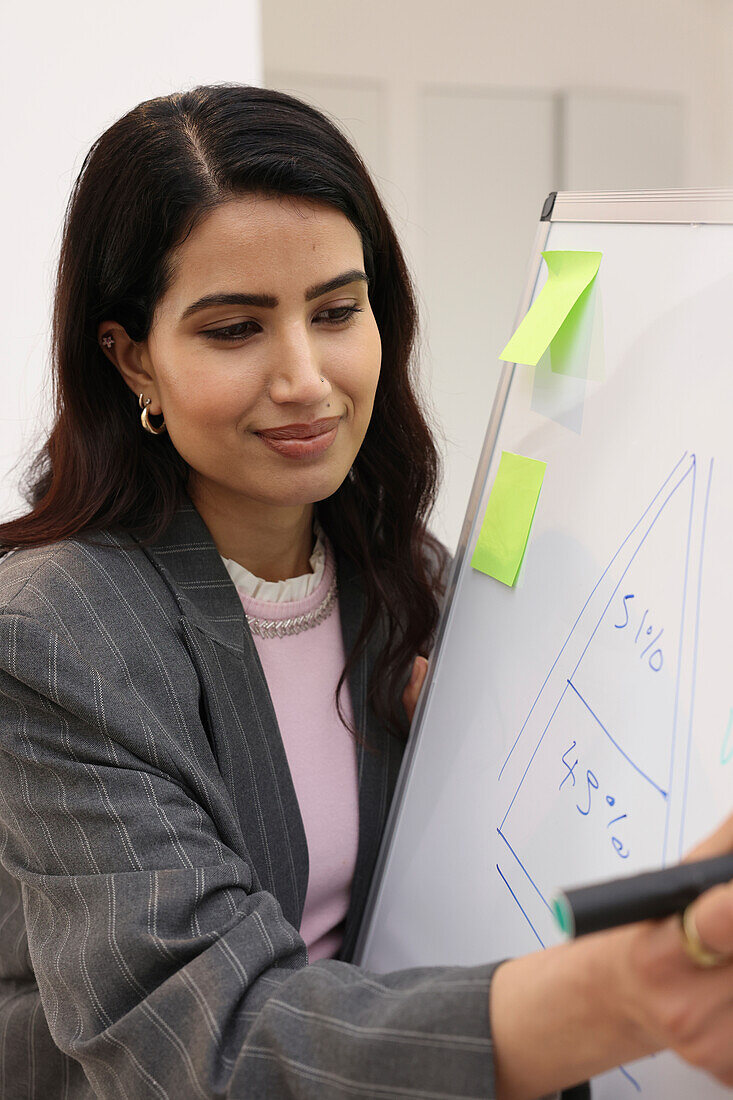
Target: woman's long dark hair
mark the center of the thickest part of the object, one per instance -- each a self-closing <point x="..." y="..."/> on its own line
<point x="144" y="185"/>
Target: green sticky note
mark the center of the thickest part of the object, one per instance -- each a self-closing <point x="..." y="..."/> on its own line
<point x="507" y="521"/>
<point x="569" y="274"/>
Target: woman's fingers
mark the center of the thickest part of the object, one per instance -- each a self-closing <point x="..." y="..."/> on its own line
<point x="412" y="691"/>
<point x="677" y="1003"/>
<point x="712" y="914"/>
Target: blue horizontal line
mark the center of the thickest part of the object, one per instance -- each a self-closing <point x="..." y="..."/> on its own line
<point x="633" y="1080"/>
<point x="529" y="922"/>
<point x="614" y="742"/>
<point x="532" y="881"/>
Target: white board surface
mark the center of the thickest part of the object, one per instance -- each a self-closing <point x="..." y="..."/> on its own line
<point x="613" y="650"/>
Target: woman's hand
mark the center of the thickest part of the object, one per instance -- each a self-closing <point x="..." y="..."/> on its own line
<point x="412" y="691"/>
<point x="588" y="1005"/>
<point x="673" y="1001"/>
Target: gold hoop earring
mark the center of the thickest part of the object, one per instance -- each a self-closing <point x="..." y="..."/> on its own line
<point x="144" y="418"/>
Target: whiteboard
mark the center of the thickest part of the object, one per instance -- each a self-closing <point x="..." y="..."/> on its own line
<point x="578" y="726"/>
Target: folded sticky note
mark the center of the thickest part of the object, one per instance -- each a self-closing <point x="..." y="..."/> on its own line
<point x="568" y="275"/>
<point x="507" y="521"/>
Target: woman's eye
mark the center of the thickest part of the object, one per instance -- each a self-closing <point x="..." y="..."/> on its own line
<point x="229" y="333"/>
<point x="336" y="316"/>
<point x="343" y="313"/>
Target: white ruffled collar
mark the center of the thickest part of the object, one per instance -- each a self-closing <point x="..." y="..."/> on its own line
<point x="293" y="588"/>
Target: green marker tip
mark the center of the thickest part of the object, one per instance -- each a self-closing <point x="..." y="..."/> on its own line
<point x="563" y="914"/>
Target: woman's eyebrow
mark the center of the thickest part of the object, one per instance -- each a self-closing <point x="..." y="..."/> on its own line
<point x="269" y="301"/>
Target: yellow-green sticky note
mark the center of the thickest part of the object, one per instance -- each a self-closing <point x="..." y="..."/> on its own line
<point x="568" y="275"/>
<point x="508" y="519"/>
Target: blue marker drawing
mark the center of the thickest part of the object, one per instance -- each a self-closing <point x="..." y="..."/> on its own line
<point x="698" y="599"/>
<point x="600" y="767"/>
<point x="726" y="753"/>
<point x="523" y="911"/>
<point x="630" y="535"/>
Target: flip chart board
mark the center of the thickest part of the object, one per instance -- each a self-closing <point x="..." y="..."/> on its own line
<point x="577" y="724"/>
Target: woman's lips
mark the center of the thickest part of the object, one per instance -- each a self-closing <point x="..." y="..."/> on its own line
<point x="302" y="431"/>
<point x="301" y="448"/>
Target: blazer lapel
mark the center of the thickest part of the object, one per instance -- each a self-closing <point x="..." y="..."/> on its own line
<point x="236" y="707"/>
<point x="241" y="720"/>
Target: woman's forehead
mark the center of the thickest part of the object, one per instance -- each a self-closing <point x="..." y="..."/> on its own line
<point x="262" y="228"/>
<point x="264" y="246"/>
<point x="256" y="220"/>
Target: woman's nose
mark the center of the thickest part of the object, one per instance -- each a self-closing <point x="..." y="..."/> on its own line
<point x="297" y="371"/>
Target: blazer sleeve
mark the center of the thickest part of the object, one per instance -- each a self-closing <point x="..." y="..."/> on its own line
<point x="161" y="968"/>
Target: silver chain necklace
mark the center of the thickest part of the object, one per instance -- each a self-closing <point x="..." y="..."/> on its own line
<point x="276" y="628"/>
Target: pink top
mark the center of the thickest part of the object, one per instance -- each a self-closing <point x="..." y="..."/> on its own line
<point x="302" y="670"/>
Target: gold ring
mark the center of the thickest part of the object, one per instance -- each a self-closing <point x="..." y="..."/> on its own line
<point x="695" y="948"/>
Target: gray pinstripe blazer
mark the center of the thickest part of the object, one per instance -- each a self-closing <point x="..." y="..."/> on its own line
<point x="153" y="862"/>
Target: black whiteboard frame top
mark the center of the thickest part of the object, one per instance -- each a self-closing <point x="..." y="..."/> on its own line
<point x="692" y="207"/>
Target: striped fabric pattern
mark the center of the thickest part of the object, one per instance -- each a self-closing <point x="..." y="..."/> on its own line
<point x="153" y="862"/>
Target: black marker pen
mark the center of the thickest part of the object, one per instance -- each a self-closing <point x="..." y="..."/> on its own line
<point x="647" y="896"/>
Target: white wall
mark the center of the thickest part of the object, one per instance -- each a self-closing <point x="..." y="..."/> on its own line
<point x="68" y="73"/>
<point x="469" y="113"/>
<point x="677" y="47"/>
<point x="725" y="124"/>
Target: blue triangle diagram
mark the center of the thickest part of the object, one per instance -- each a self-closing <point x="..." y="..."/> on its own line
<point x="592" y="762"/>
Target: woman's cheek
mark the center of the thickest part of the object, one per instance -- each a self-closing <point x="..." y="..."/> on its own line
<point x="217" y="406"/>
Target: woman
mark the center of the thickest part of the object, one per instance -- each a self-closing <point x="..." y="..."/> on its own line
<point x="188" y="829"/>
